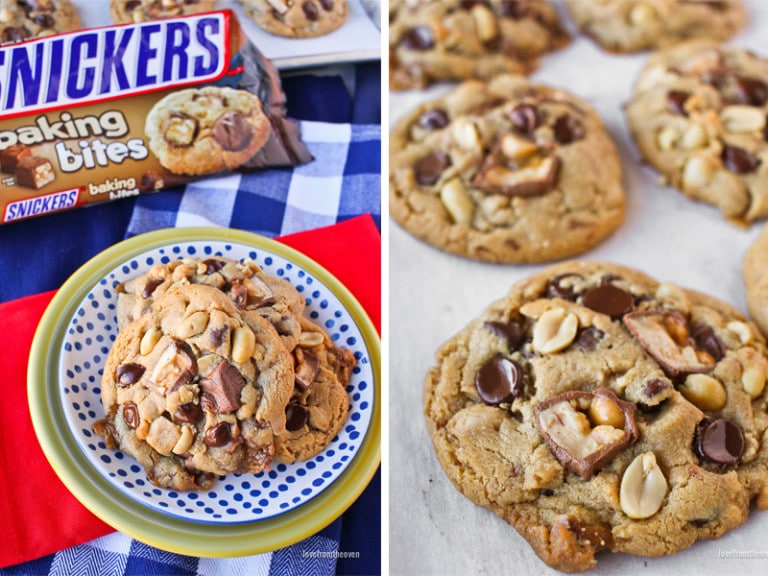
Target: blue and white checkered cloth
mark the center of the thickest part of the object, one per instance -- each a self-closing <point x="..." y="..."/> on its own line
<point x="344" y="181"/>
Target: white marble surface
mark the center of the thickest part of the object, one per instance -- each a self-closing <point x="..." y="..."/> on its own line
<point x="433" y="528"/>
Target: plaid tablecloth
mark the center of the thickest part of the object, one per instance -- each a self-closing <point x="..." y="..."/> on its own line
<point x="343" y="182"/>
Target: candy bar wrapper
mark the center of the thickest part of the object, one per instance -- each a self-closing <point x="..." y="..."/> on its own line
<point x="108" y="113"/>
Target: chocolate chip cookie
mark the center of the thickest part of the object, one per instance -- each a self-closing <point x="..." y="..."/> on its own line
<point x="297" y="18"/>
<point x="635" y="25"/>
<point x="205" y="130"/>
<point x="433" y="40"/>
<point x="698" y="115"/>
<point x="318" y="407"/>
<point x="506" y="171"/>
<point x="192" y="391"/>
<point x="755" y="271"/>
<point x="245" y="283"/>
<point x="594" y="408"/>
<point x="125" y="11"/>
<point x="24" y="19"/>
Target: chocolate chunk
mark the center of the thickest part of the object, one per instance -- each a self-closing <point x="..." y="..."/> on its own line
<point x="707" y="340"/>
<point x="676" y="101"/>
<point x="239" y="293"/>
<point x="574" y="427"/>
<point x="568" y="129"/>
<point x="589" y="338"/>
<point x="34" y="172"/>
<point x="310" y="11"/>
<point x="176" y="367"/>
<point x="525" y="119"/>
<point x="132" y="5"/>
<point x="131" y="415"/>
<point x="128" y="374"/>
<point x="499" y="380"/>
<point x="217" y="336"/>
<point x="189" y="413"/>
<point x="218" y="435"/>
<point x="469" y="4"/>
<point x="296" y="417"/>
<point x="430" y="167"/>
<point x="213" y="265"/>
<point x="150" y="287"/>
<point x="512" y="331"/>
<point x="327" y="5"/>
<point x="232" y="131"/>
<point x="433" y="119"/>
<point x="9" y="157"/>
<point x="515" y="9"/>
<point x="751" y="91"/>
<point x="306" y="370"/>
<point x="532" y="180"/>
<point x="224" y="385"/>
<point x="719" y="441"/>
<point x="656" y="385"/>
<point x="15" y="34"/>
<point x="44" y="20"/>
<point x="561" y="286"/>
<point x="610" y="300"/>
<point x="418" y="38"/>
<point x="739" y="161"/>
<point x="664" y="335"/>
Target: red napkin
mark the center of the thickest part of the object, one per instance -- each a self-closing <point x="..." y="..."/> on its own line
<point x="38" y="515"/>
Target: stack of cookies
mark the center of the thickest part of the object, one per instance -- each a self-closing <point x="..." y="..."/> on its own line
<point x="215" y="371"/>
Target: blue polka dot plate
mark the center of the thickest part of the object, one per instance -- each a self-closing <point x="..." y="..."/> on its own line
<point x="280" y="506"/>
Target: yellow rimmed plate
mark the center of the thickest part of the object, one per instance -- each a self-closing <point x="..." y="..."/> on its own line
<point x="243" y="514"/>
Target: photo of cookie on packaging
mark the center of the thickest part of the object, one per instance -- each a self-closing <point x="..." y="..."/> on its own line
<point x="506" y="171"/>
<point x="205" y="130"/>
<point x="24" y="19"/>
<point x="297" y="18"/>
<point x="435" y="40"/>
<point x="617" y="410"/>
<point x="192" y="391"/>
<point x="634" y="25"/>
<point x="125" y="11"/>
<point x="699" y="115"/>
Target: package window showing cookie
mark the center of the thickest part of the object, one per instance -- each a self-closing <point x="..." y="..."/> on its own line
<point x="108" y="113"/>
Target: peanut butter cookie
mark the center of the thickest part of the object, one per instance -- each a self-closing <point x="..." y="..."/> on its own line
<point x="634" y="25"/>
<point x="125" y="11"/>
<point x="24" y="19"/>
<point x="506" y="171"/>
<point x="192" y="391"/>
<point x="297" y="18"/>
<point x="594" y="408"/>
<point x="698" y="115"/>
<point x="436" y="40"/>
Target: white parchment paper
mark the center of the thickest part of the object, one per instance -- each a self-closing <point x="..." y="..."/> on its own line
<point x="433" y="295"/>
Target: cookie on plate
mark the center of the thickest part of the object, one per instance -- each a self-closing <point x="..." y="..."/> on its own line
<point x="635" y="25"/>
<point x="192" y="391"/>
<point x="698" y="115"/>
<point x="297" y="18"/>
<point x="205" y="130"/>
<point x="125" y="11"/>
<point x="506" y="171"/>
<point x="755" y="272"/>
<point x="23" y="19"/>
<point x="245" y="283"/>
<point x="594" y="408"/>
<point x="433" y="40"/>
<point x="318" y="407"/>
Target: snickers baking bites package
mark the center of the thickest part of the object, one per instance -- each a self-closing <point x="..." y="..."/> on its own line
<point x="107" y="113"/>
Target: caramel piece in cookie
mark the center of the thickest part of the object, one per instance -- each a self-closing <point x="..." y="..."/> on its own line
<point x="434" y="40"/>
<point x="594" y="408"/>
<point x="192" y="391"/>
<point x="318" y="407"/>
<point x="24" y="19"/>
<point x="297" y="18"/>
<point x="205" y="130"/>
<point x="244" y="282"/>
<point x="506" y="171"/>
<point x="635" y="25"/>
<point x="699" y="115"/>
<point x="125" y="11"/>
